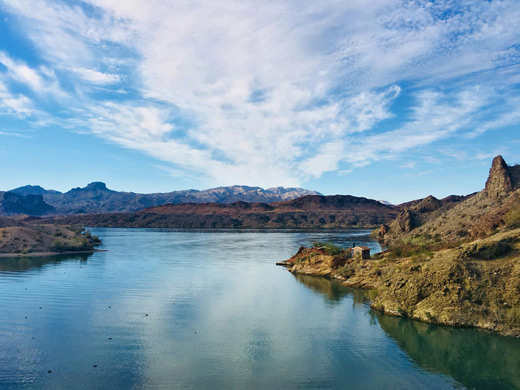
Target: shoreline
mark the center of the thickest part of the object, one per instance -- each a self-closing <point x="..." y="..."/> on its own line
<point x="48" y="254"/>
<point x="366" y="288"/>
<point x="446" y="287"/>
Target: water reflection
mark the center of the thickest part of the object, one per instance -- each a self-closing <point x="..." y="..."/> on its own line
<point x="26" y="263"/>
<point x="475" y="358"/>
<point x="331" y="289"/>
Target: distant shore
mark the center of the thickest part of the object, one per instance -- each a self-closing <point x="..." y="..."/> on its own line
<point x="45" y="254"/>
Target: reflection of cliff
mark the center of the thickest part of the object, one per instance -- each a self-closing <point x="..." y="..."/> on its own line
<point x="332" y="290"/>
<point x="17" y="264"/>
<point x="476" y="359"/>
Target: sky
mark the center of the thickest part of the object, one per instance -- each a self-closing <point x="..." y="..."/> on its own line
<point x="385" y="99"/>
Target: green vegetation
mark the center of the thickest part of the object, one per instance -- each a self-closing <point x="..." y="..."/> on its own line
<point x="418" y="252"/>
<point x="329" y="248"/>
<point x="85" y="241"/>
<point x="79" y="244"/>
<point x="430" y="317"/>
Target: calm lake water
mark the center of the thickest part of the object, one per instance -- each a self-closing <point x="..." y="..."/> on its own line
<point x="199" y="310"/>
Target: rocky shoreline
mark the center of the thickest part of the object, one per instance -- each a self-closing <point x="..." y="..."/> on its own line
<point x="456" y="287"/>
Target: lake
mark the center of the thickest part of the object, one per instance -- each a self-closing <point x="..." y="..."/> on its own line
<point x="210" y="310"/>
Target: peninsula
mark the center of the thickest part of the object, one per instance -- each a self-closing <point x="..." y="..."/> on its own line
<point x="454" y="264"/>
<point x="19" y="239"/>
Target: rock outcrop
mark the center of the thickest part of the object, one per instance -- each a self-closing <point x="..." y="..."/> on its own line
<point x="499" y="182"/>
<point x="405" y="221"/>
<point x="428" y="204"/>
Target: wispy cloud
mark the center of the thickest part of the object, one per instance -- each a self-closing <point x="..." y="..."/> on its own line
<point x="275" y="93"/>
<point x="13" y="134"/>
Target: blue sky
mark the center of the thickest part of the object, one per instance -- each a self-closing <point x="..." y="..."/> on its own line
<point x="385" y="99"/>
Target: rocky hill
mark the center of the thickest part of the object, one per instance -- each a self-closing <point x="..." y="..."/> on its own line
<point x="312" y="211"/>
<point x="453" y="263"/>
<point x="97" y="198"/>
<point x="19" y="238"/>
<point x="461" y="218"/>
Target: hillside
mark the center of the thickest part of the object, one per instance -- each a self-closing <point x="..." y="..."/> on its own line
<point x="453" y="263"/>
<point x="97" y="198"/>
<point x="470" y="217"/>
<point x="18" y="238"/>
<point x="311" y="211"/>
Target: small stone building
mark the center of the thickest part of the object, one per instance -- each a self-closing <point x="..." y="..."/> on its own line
<point x="361" y="252"/>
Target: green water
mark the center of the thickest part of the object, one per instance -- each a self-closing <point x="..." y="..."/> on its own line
<point x="197" y="310"/>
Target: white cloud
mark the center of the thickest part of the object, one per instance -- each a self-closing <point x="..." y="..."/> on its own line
<point x="96" y="77"/>
<point x="277" y="92"/>
<point x="15" y="104"/>
<point x="41" y="81"/>
<point x="14" y="134"/>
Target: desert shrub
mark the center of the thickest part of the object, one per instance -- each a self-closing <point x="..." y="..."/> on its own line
<point x="347" y="271"/>
<point x="372" y="294"/>
<point x="486" y="251"/>
<point x="462" y="233"/>
<point x="419" y="252"/>
<point x="512" y="217"/>
<point x="81" y="244"/>
<point x="430" y="316"/>
<point x="329" y="248"/>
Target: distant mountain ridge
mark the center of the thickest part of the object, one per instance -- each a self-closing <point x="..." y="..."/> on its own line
<point x="96" y="197"/>
<point x="12" y="203"/>
<point x="311" y="211"/>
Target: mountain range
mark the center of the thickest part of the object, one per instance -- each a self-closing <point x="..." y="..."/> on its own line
<point x="97" y="198"/>
<point x="310" y="211"/>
